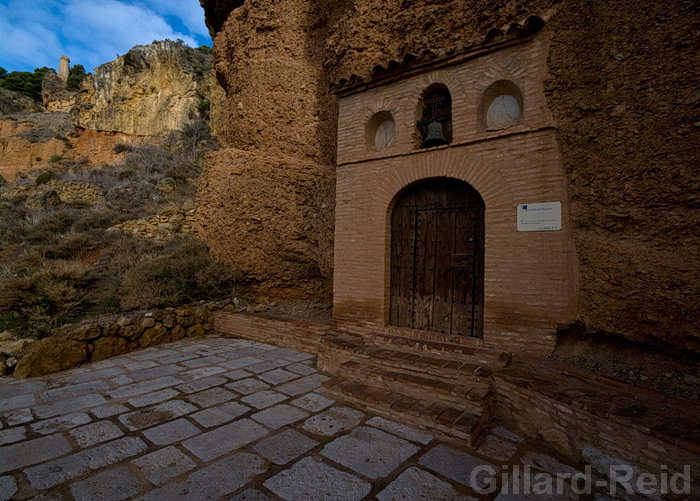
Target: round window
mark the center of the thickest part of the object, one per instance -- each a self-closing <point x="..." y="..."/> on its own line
<point x="380" y="131"/>
<point x="501" y="105"/>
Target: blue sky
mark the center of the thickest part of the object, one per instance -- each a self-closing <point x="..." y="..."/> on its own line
<point x="35" y="33"/>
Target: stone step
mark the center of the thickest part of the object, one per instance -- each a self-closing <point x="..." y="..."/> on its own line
<point x="465" y="393"/>
<point x="445" y="350"/>
<point x="420" y="413"/>
<point x="336" y="349"/>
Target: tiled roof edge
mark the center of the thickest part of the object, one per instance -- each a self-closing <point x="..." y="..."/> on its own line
<point x="494" y="38"/>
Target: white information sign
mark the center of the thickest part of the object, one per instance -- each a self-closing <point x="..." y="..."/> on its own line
<point x="539" y="217"/>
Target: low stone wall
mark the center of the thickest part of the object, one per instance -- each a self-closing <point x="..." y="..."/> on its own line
<point x="171" y="221"/>
<point x="292" y="334"/>
<point x="72" y="345"/>
<point x="67" y="191"/>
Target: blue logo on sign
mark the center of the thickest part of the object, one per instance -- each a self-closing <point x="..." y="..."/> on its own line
<point x="524" y="207"/>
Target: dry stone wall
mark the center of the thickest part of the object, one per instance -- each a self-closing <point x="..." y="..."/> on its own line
<point x="172" y="220"/>
<point x="621" y="87"/>
<point x="61" y="191"/>
<point x="77" y="344"/>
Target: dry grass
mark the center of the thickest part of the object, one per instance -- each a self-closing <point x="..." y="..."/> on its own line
<point x="60" y="264"/>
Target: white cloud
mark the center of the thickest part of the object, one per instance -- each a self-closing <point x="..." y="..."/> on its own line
<point x="189" y="12"/>
<point x="112" y="27"/>
<point x="36" y="33"/>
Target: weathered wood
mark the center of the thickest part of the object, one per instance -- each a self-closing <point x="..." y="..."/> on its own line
<point x="437" y="248"/>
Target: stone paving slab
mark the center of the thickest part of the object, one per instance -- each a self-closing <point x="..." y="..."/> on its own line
<point x="215" y="418"/>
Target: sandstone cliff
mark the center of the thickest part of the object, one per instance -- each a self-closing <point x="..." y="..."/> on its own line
<point x="266" y="200"/>
<point x="29" y="141"/>
<point x="150" y="90"/>
<point x="622" y="87"/>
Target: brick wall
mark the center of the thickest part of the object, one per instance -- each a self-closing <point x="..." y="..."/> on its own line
<point x="589" y="438"/>
<point x="291" y="334"/>
<point x="530" y="280"/>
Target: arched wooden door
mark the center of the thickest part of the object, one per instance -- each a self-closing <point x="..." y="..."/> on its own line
<point x="437" y="259"/>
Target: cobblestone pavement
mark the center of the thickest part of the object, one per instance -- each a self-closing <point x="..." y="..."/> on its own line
<point x="214" y="418"/>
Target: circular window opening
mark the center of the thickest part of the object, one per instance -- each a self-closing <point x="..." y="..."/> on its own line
<point x="502" y="105"/>
<point x="380" y="131"/>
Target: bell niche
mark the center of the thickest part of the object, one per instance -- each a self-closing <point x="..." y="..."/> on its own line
<point x="434" y="124"/>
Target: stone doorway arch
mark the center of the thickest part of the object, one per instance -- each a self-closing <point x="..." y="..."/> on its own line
<point x="437" y="258"/>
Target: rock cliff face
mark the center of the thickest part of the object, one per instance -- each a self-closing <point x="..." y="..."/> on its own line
<point x="150" y="90"/>
<point x="623" y="89"/>
<point x="29" y="141"/>
<point x="55" y="96"/>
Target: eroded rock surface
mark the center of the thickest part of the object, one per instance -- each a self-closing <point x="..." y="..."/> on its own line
<point x="150" y="90"/>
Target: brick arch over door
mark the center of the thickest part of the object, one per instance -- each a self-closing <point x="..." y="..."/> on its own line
<point x="437" y="258"/>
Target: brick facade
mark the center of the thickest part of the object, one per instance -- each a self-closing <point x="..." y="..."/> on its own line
<point x="530" y="283"/>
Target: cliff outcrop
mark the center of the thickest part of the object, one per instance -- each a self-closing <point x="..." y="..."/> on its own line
<point x="623" y="90"/>
<point x="150" y="90"/>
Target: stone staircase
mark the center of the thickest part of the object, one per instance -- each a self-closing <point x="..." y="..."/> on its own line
<point x="439" y="386"/>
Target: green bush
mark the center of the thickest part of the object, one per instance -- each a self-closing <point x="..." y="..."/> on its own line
<point x="25" y="82"/>
<point x="77" y="74"/>
<point x="55" y="158"/>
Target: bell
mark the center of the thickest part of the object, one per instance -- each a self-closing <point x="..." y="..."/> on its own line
<point x="434" y="137"/>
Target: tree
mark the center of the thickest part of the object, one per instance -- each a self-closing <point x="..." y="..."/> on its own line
<point x="3" y="72"/>
<point x="25" y="82"/>
<point x="77" y="74"/>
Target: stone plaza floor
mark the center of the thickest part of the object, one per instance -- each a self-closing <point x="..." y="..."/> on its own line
<point x="215" y="418"/>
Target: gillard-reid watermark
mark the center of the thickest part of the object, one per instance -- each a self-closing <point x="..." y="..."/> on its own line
<point x="620" y="479"/>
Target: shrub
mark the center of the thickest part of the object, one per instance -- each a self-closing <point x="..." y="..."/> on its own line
<point x="47" y="175"/>
<point x="25" y="82"/>
<point x="121" y="147"/>
<point x="182" y="272"/>
<point x="203" y="108"/>
<point x="71" y="247"/>
<point x="49" y="297"/>
<point x="76" y="76"/>
<point x="47" y="225"/>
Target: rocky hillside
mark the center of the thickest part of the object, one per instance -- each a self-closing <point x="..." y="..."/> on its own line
<point x="35" y="140"/>
<point x="150" y="91"/>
